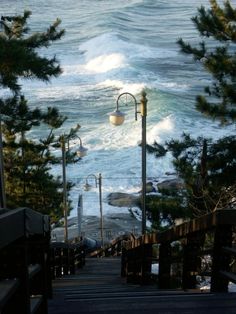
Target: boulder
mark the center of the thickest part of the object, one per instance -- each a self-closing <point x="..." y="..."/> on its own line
<point x="172" y="184"/>
<point x="122" y="199"/>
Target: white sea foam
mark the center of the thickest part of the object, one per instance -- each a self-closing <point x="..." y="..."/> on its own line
<point x="173" y="86"/>
<point x="110" y="43"/>
<point x="56" y="92"/>
<point x="159" y="131"/>
<point x="105" y="63"/>
<point x="133" y="88"/>
<point x="105" y="44"/>
<point x="71" y="69"/>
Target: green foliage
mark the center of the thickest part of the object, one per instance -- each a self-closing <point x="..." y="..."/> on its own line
<point x="28" y="161"/>
<point x="216" y="24"/>
<point x="210" y="176"/>
<point x="18" y="53"/>
<point x="165" y="208"/>
<point x="207" y="167"/>
<point x="157" y="149"/>
<point x="208" y="170"/>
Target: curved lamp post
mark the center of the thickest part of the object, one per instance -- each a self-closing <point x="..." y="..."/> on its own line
<point x="81" y="152"/>
<point x="117" y="118"/>
<point x="87" y="187"/>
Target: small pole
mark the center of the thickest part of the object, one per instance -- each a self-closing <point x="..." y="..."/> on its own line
<point x="80" y="213"/>
<point x="100" y="202"/>
<point x="2" y="181"/>
<point x="65" y="204"/>
<point x="143" y="111"/>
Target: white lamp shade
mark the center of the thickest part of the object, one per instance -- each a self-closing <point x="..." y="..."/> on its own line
<point x="82" y="151"/>
<point x="116" y="117"/>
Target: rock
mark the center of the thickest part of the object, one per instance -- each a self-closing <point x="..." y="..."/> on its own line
<point x="122" y="199"/>
<point x="173" y="184"/>
<point x="150" y="187"/>
<point x="168" y="173"/>
<point x="119" y="199"/>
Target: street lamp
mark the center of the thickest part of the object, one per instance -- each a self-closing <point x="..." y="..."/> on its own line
<point x="117" y="118"/>
<point x="81" y="152"/>
<point x="87" y="187"/>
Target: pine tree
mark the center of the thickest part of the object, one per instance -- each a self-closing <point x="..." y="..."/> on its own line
<point x="207" y="167"/>
<point x="28" y="161"/>
<point x="208" y="170"/>
<point x="217" y="54"/>
<point x="19" y="53"/>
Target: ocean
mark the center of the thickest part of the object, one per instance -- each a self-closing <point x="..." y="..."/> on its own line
<point x="111" y="47"/>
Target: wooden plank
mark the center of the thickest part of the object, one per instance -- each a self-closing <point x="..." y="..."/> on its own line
<point x="20" y="222"/>
<point x="35" y="302"/>
<point x="34" y="222"/>
<point x="229" y="250"/>
<point x="33" y="270"/>
<point x="98" y="291"/>
<point x="203" y="223"/>
<point x="7" y="289"/>
<point x="228" y="275"/>
<point x="11" y="226"/>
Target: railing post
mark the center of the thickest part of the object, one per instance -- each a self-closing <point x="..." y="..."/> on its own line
<point x="40" y="283"/>
<point x="220" y="262"/>
<point x="14" y="264"/>
<point x="65" y="258"/>
<point x="53" y="262"/>
<point x="47" y="264"/>
<point x="124" y="262"/>
<point x="133" y="261"/>
<point x="58" y="261"/>
<point x="71" y="254"/>
<point x="192" y="260"/>
<point x="146" y="263"/>
<point x="164" y="265"/>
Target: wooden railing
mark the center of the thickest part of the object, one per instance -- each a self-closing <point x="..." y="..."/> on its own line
<point x="208" y="238"/>
<point x="28" y="261"/>
<point x="66" y="258"/>
<point x="114" y="248"/>
<point x="25" y="283"/>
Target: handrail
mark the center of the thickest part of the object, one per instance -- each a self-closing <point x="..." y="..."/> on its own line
<point x="114" y="248"/>
<point x="203" y="223"/>
<point x="137" y="253"/>
<point x="25" y="238"/>
<point x="21" y="222"/>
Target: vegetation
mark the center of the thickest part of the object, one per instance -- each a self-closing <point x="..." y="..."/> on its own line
<point x="208" y="170"/>
<point x="208" y="167"/>
<point x="28" y="161"/>
<point x="216" y="25"/>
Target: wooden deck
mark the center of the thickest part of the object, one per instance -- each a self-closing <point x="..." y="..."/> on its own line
<point x="98" y="288"/>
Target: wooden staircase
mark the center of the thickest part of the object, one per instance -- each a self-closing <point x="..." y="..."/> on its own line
<point x="99" y="288"/>
<point x="103" y="284"/>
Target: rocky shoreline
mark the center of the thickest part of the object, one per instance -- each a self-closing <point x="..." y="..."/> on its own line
<point x="114" y="224"/>
<point x="133" y="200"/>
